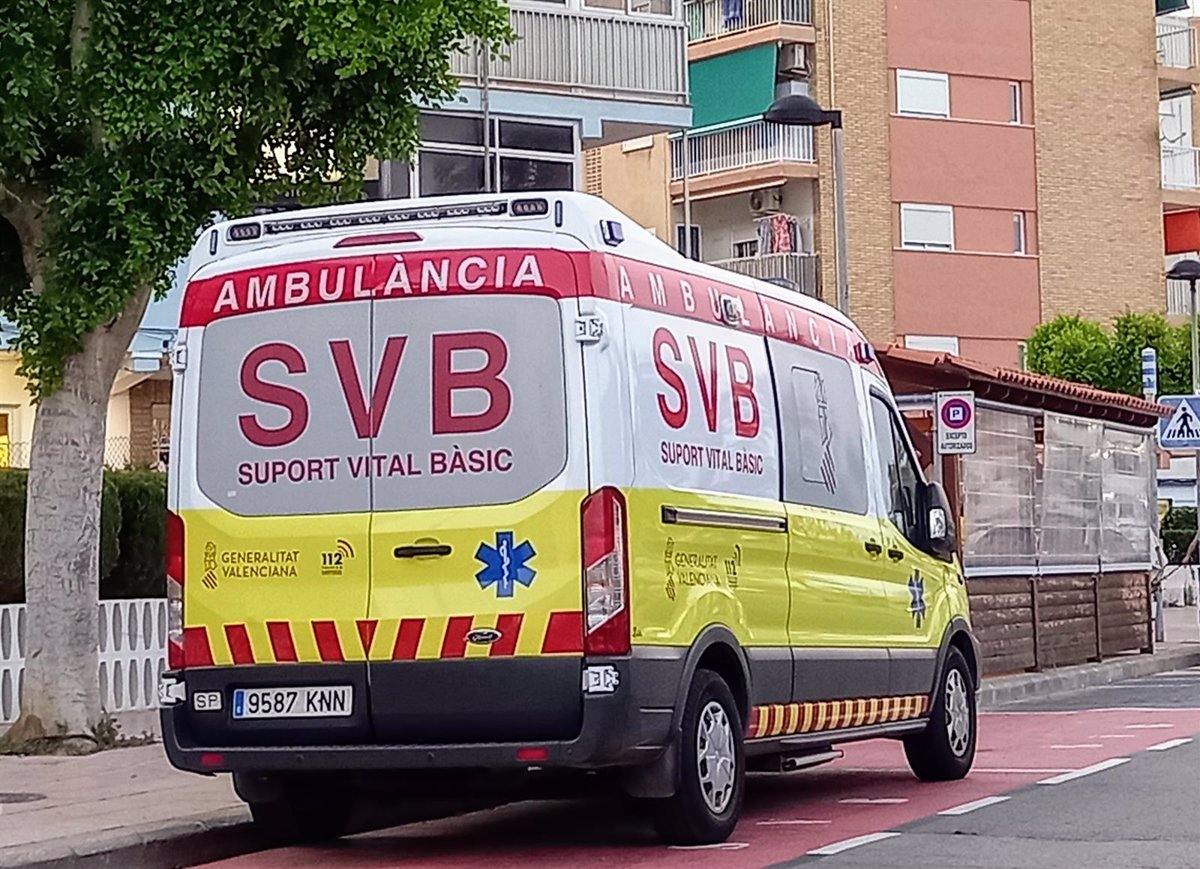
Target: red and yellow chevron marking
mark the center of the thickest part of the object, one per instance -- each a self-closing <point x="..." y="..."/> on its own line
<point x="329" y="641"/>
<point x="792" y="718"/>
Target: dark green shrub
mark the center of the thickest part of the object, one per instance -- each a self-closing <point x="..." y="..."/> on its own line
<point x="143" y="535"/>
<point x="132" y="534"/>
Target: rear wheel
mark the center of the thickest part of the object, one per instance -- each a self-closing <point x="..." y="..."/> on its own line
<point x="945" y="750"/>
<point x="712" y="768"/>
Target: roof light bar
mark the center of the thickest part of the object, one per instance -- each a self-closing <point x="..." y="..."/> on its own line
<point x="384" y="218"/>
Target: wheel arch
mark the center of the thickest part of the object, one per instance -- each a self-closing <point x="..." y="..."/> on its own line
<point x="716" y="649"/>
<point x="958" y="636"/>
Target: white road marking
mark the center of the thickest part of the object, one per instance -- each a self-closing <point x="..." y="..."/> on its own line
<point x="975" y="770"/>
<point x="719" y="846"/>
<point x="1149" y="726"/>
<point x="873" y="801"/>
<point x="1169" y="744"/>
<point x="847" y="844"/>
<point x="1087" y="770"/>
<point x="966" y="808"/>
<point x="1115" y="736"/>
<point x="1079" y="745"/>
<point x="797" y="822"/>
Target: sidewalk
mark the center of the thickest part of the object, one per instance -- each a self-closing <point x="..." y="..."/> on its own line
<point x="129" y="808"/>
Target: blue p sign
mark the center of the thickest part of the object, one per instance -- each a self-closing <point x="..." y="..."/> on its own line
<point x="1149" y="371"/>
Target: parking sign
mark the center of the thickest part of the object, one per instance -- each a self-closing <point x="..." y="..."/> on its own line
<point x="955" y="423"/>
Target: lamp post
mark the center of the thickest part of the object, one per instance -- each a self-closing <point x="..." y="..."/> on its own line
<point x="798" y="110"/>
<point x="1189" y="270"/>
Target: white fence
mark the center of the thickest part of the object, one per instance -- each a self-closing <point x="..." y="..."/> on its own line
<point x="710" y="18"/>
<point x="1180" y="167"/>
<point x="633" y="56"/>
<point x="739" y="145"/>
<point x="133" y="643"/>
<point x="799" y="269"/>
<point x="1176" y="44"/>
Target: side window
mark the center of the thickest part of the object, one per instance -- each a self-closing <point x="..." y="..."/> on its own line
<point x="821" y="430"/>
<point x="900" y="478"/>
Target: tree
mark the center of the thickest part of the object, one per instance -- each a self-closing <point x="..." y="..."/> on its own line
<point x="1083" y="351"/>
<point x="124" y="126"/>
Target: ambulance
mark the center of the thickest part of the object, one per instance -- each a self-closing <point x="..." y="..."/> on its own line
<point x="500" y="491"/>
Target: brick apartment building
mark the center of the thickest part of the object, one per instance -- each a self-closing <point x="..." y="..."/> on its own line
<point x="1002" y="161"/>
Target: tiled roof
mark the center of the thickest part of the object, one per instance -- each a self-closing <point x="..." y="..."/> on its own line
<point x="904" y="362"/>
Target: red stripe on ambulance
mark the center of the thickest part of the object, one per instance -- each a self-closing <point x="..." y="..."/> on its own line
<point x="564" y="634"/>
<point x="282" y="645"/>
<point x="197" y="651"/>
<point x="366" y="633"/>
<point x="329" y="646"/>
<point x="454" y="641"/>
<point x="408" y="638"/>
<point x="509" y="628"/>
<point x="239" y="644"/>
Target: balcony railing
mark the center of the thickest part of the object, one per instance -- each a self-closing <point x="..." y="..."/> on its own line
<point x="632" y="56"/>
<point x="798" y="269"/>
<point x="1180" y="167"/>
<point x="1176" y="44"/>
<point x="737" y="146"/>
<point x="707" y="19"/>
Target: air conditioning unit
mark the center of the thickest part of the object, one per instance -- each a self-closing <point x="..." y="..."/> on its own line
<point x="793" y="59"/>
<point x="769" y="201"/>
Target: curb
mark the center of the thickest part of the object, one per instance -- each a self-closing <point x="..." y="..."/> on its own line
<point x="1002" y="690"/>
<point x="166" y="845"/>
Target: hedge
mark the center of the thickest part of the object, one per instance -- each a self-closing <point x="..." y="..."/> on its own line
<point x="132" y="534"/>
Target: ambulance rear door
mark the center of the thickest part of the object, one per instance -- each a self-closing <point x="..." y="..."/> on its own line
<point x="478" y="471"/>
<point x="274" y="505"/>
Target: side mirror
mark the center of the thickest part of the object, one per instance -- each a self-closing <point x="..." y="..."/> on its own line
<point x="939" y="523"/>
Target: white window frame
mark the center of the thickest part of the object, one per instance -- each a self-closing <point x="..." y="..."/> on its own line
<point x="698" y="252"/>
<point x="1015" y="108"/>
<point x="908" y="243"/>
<point x="918" y="77"/>
<point x="1020" y="240"/>
<point x="933" y="343"/>
<point x="733" y="246"/>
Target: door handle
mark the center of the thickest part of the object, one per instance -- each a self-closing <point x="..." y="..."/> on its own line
<point x="895" y="554"/>
<point x="422" y="551"/>
<point x="874" y="548"/>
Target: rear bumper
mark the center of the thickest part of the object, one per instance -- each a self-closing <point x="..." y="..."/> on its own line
<point x="629" y="726"/>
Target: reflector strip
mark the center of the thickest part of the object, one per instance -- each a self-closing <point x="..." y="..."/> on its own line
<point x="793" y="718"/>
<point x="509" y="627"/>
<point x="454" y="641"/>
<point x="366" y="633"/>
<point x="197" y="652"/>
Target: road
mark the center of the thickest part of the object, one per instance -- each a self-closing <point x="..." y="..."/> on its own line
<point x="1108" y="777"/>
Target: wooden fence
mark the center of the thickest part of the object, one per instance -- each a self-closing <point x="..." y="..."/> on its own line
<point x="1035" y="622"/>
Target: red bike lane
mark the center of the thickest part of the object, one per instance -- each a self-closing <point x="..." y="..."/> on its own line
<point x="870" y="790"/>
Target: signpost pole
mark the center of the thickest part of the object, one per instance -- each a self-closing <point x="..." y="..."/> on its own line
<point x="1150" y="392"/>
<point x="1195" y="388"/>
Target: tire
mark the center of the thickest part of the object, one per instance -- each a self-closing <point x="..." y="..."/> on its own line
<point x="943" y="751"/>
<point x="708" y="802"/>
<point x="302" y="818"/>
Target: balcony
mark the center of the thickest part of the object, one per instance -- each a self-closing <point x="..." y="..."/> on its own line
<point x="1177" y="55"/>
<point x="590" y="53"/>
<point x="1180" y="176"/>
<point x="1179" y="302"/>
<point x="799" y="270"/>
<point x="711" y="19"/>
<point x="744" y="155"/>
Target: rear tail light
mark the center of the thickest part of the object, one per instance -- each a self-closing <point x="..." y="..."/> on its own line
<point x="175" y="572"/>
<point x="605" y="574"/>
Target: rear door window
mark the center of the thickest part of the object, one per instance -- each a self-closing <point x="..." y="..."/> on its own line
<point x="436" y="402"/>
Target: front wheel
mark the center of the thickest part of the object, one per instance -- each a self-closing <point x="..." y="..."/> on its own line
<point x="945" y="750"/>
<point x="712" y="768"/>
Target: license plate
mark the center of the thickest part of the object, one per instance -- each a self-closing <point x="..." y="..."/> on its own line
<point x="297" y="702"/>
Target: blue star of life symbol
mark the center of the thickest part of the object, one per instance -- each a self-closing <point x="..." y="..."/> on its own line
<point x="916" y="588"/>
<point x="505" y="564"/>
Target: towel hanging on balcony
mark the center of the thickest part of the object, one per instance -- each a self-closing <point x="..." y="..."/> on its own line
<point x="778" y="233"/>
<point x="732" y="12"/>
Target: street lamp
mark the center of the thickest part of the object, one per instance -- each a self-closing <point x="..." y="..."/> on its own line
<point x="798" y="110"/>
<point x="1189" y="270"/>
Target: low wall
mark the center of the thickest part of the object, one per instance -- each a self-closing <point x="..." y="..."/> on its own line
<point x="1035" y="622"/>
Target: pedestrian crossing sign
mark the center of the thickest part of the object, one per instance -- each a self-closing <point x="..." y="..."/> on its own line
<point x="1180" y="430"/>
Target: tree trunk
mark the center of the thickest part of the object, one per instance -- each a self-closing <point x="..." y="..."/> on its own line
<point x="62" y="536"/>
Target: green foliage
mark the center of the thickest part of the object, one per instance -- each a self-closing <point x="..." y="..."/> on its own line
<point x="1084" y="351"/>
<point x="132" y="534"/>
<point x="143" y="534"/>
<point x="1178" y="528"/>
<point x="125" y="125"/>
